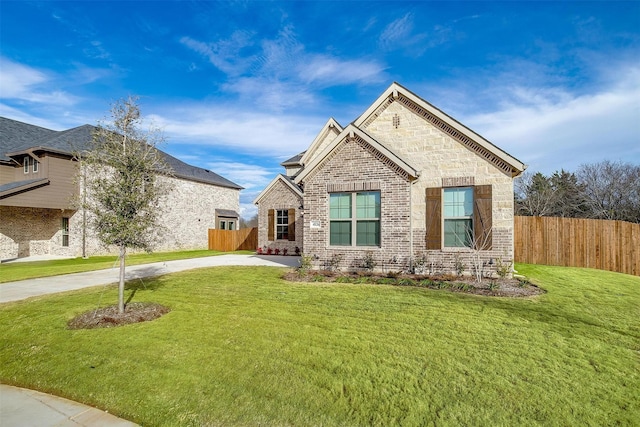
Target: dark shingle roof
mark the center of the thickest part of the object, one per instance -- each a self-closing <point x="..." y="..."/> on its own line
<point x="17" y="136"/>
<point x="295" y="160"/>
<point x="193" y="173"/>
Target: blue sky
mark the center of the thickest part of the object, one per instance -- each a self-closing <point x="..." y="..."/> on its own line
<point x="240" y="86"/>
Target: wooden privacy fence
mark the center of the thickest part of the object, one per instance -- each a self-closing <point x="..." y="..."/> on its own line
<point x="233" y="240"/>
<point x="574" y="242"/>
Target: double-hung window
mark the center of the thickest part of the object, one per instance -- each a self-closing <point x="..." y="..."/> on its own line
<point x="458" y="217"/>
<point x="282" y="224"/>
<point x="354" y="214"/>
<point x="25" y="164"/>
<point x="35" y="165"/>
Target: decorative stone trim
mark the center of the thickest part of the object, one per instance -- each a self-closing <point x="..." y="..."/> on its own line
<point x="349" y="187"/>
<point x="462" y="181"/>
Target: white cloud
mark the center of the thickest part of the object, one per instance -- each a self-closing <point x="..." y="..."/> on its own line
<point x="226" y="55"/>
<point x="24" y="83"/>
<point x="249" y="175"/>
<point x="235" y="129"/>
<point x="331" y="71"/>
<point x="400" y="35"/>
<point x="553" y="128"/>
<point x="279" y="73"/>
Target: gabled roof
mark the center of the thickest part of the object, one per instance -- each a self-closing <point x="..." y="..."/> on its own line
<point x="445" y="123"/>
<point x="279" y="178"/>
<point x="352" y="131"/>
<point x="18" y="138"/>
<point x="314" y="148"/>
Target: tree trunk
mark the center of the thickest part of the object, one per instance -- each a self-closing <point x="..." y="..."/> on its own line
<point x="123" y="253"/>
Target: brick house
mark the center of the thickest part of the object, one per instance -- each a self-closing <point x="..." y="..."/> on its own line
<point x="404" y="184"/>
<point x="38" y="185"/>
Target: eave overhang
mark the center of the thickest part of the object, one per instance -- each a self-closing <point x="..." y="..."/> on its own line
<point x="15" y="188"/>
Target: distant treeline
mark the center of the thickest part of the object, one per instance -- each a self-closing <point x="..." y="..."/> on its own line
<point x="604" y="190"/>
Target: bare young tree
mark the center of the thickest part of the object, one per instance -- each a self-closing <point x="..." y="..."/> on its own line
<point x="123" y="190"/>
<point x="612" y="190"/>
<point x="249" y="223"/>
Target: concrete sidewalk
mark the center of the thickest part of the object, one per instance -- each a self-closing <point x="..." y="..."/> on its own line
<point x="20" y="407"/>
<point x="23" y="408"/>
<point x="15" y="291"/>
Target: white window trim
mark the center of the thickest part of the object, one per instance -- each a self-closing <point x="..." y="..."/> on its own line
<point x="445" y="218"/>
<point x="285" y="216"/>
<point x="36" y="165"/>
<point x="25" y="164"/>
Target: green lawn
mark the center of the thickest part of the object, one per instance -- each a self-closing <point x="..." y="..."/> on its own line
<point x="13" y="271"/>
<point x="243" y="347"/>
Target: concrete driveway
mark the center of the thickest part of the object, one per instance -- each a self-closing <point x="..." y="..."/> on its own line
<point x="23" y="289"/>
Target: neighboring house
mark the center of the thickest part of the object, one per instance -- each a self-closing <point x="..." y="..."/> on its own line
<point x="38" y="186"/>
<point x="404" y="183"/>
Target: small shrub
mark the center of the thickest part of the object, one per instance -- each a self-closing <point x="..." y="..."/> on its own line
<point x="492" y="286"/>
<point x="368" y="263"/>
<point x="305" y="264"/>
<point x="344" y="279"/>
<point x="459" y="265"/>
<point x="333" y="263"/>
<point x="459" y="286"/>
<point x="503" y="268"/>
<point x="385" y="281"/>
<point x="285" y="251"/>
<point x="362" y="280"/>
<point x="406" y="282"/>
<point x="269" y="251"/>
<point x="523" y="283"/>
<point x="393" y="274"/>
<point x="440" y="284"/>
<point x="297" y="250"/>
<point x="277" y="251"/>
<point x="317" y="278"/>
<point x="419" y="264"/>
<point x="426" y="283"/>
<point x="259" y="251"/>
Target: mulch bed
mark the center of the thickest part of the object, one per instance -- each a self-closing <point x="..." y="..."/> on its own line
<point x="495" y="287"/>
<point x="108" y="317"/>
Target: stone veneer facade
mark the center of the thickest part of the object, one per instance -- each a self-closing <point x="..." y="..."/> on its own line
<point x="190" y="213"/>
<point x="282" y="197"/>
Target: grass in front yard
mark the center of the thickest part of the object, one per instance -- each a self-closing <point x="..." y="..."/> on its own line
<point x="241" y="346"/>
<point x="10" y="272"/>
